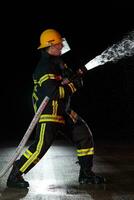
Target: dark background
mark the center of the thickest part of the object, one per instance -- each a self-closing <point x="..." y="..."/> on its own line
<point x="106" y="101"/>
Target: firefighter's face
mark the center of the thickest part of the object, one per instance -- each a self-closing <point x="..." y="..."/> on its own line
<point x="55" y="50"/>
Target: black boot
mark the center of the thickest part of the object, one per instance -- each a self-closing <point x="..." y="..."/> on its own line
<point x="86" y="175"/>
<point x="89" y="177"/>
<point x="15" y="179"/>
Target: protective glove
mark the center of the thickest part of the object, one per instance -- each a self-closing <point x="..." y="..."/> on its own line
<point x="67" y="73"/>
<point x="78" y="82"/>
<point x="82" y="71"/>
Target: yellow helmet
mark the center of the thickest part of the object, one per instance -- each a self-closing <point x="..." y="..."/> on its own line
<point x="49" y="37"/>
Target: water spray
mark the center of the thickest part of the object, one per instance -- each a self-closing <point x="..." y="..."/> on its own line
<point x="122" y="49"/>
<point x="117" y="51"/>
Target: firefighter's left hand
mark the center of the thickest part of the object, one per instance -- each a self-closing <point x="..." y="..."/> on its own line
<point x="78" y="82"/>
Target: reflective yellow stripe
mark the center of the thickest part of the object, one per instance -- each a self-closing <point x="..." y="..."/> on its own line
<point x="35" y="96"/>
<point x="46" y="77"/>
<point x="35" y="107"/>
<point x="71" y="85"/>
<point x="35" y="81"/>
<point x="85" y="152"/>
<point x="55" y="107"/>
<point x="27" y="154"/>
<point x="61" y="92"/>
<point x="38" y="149"/>
<point x="51" y="118"/>
<point x="35" y="88"/>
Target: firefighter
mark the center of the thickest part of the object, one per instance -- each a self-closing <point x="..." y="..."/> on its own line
<point x="51" y="78"/>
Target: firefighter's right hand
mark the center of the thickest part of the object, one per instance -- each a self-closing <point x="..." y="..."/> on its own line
<point x="65" y="81"/>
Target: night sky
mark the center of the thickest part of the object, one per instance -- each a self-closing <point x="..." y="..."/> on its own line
<point x="106" y="101"/>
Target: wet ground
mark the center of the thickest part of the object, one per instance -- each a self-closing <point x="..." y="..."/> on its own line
<point x="55" y="177"/>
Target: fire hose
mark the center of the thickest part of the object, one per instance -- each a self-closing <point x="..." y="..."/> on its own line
<point x="34" y="121"/>
<point x="26" y="135"/>
<point x="95" y="62"/>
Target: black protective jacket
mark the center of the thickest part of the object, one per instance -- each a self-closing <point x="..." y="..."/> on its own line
<point x="48" y="77"/>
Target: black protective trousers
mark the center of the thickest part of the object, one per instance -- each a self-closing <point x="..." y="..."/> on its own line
<point x="79" y="133"/>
